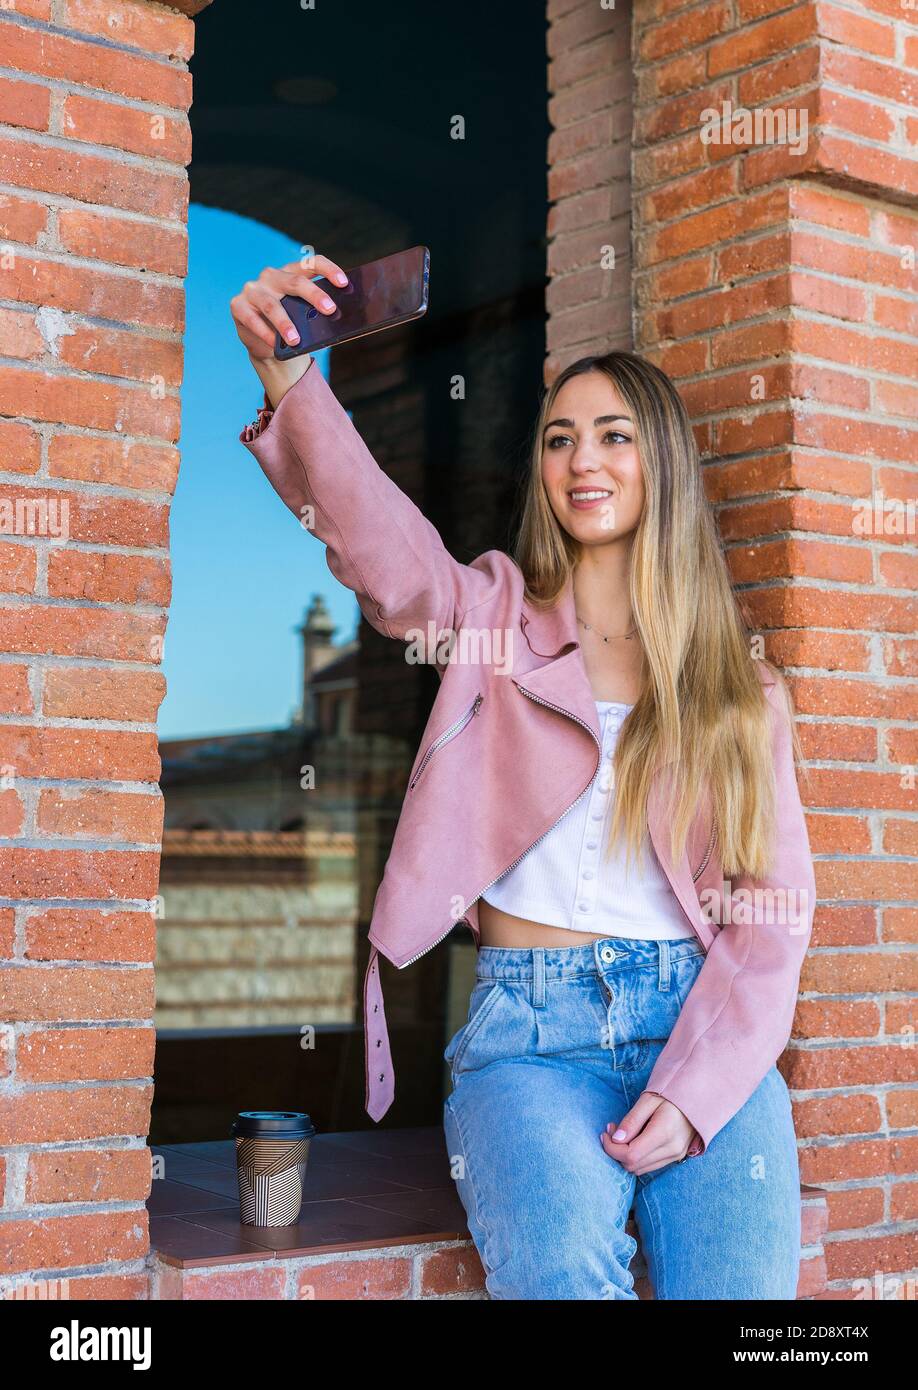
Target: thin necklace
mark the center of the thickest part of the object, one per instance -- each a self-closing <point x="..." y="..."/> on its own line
<point x="615" y="636"/>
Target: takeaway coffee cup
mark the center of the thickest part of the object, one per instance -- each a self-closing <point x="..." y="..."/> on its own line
<point x="272" y="1149"/>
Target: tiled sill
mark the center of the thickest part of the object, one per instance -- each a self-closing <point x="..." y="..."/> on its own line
<point x="363" y="1190"/>
<point x="387" y="1191"/>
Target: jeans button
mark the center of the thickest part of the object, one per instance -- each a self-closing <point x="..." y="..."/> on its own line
<point x="607" y="954"/>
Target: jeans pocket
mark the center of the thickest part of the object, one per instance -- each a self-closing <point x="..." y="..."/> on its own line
<point x="484" y="996"/>
<point x="685" y="972"/>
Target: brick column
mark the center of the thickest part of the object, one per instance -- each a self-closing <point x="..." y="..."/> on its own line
<point x="779" y="288"/>
<point x="589" y="181"/>
<point x="94" y="142"/>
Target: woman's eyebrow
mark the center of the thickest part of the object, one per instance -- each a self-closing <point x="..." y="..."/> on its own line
<point x="600" y="420"/>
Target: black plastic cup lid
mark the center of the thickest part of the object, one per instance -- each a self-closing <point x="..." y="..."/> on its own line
<point x="272" y="1124"/>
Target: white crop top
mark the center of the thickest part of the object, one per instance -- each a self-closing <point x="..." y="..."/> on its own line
<point x="565" y="880"/>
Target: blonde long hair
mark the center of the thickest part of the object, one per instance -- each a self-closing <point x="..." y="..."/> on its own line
<point x="701" y="704"/>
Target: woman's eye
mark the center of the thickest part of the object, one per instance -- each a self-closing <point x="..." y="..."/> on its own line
<point x="559" y="441"/>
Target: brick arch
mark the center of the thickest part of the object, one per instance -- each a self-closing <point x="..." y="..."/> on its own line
<point x="357" y="228"/>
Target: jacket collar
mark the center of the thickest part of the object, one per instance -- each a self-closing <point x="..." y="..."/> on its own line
<point x="548" y="661"/>
<point x="549" y="632"/>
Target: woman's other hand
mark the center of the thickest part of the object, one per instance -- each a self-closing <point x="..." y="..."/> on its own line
<point x="257" y="310"/>
<point x="655" y="1131"/>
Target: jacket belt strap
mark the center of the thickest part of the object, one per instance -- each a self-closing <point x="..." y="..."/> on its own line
<point x="380" y="1074"/>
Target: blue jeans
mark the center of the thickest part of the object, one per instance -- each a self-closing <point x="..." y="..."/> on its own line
<point x="559" y="1041"/>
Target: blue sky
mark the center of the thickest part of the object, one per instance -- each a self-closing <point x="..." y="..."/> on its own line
<point x="243" y="569"/>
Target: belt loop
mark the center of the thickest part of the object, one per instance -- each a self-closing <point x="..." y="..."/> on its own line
<point x="664" y="965"/>
<point x="538" y="976"/>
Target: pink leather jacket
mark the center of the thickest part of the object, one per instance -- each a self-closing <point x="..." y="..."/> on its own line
<point x="509" y="746"/>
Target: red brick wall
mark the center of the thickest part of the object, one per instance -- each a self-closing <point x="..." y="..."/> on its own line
<point x="589" y="298"/>
<point x="94" y="140"/>
<point x="435" y="1270"/>
<point x="780" y="290"/>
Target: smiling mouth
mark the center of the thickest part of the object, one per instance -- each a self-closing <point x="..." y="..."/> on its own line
<point x="591" y="494"/>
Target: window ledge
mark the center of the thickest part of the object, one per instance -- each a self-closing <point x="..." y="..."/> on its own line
<point x="381" y="1200"/>
<point x="363" y="1190"/>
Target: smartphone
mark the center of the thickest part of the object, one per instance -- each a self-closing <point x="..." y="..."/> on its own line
<point x="377" y="295"/>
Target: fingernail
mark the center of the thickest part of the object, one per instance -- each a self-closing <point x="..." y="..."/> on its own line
<point x="327" y="303"/>
<point x="341" y="278"/>
<point x="619" y="1135"/>
<point x="292" y="335"/>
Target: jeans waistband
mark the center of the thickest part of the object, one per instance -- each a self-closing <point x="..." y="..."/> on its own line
<point x="606" y="953"/>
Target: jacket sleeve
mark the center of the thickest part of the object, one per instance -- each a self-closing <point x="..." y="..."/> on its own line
<point x="377" y="541"/>
<point x="737" y="1018"/>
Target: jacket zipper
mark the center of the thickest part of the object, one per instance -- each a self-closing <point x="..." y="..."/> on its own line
<point x="445" y="737"/>
<point x="704" y="863"/>
<point x="589" y="784"/>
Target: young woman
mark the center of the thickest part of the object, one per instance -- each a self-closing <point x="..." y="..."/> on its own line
<point x="606" y="795"/>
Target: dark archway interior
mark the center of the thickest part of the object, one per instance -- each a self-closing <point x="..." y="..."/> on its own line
<point x="334" y="126"/>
